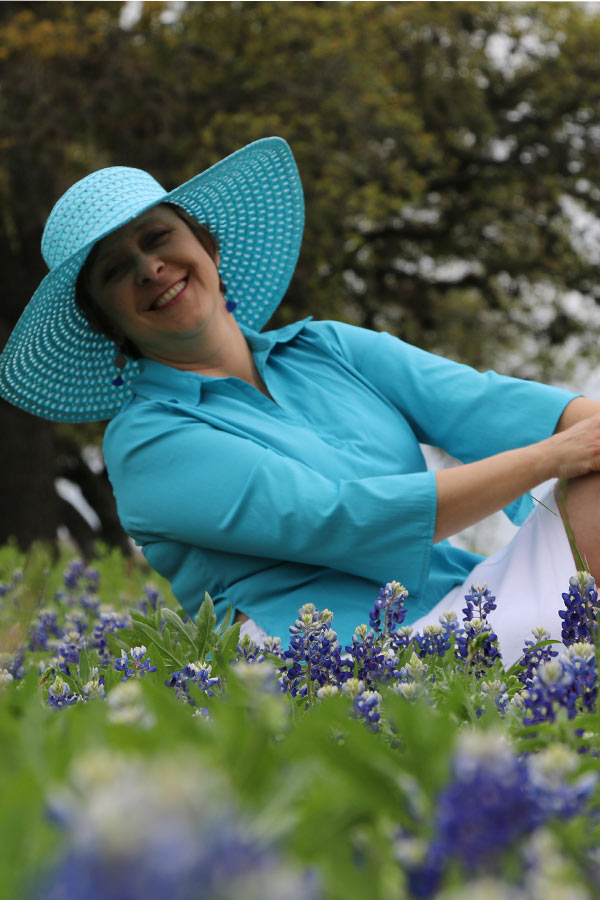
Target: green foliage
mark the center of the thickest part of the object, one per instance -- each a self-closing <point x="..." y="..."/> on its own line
<point x="332" y="794"/>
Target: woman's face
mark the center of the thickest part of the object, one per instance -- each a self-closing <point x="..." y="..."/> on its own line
<point x="156" y="283"/>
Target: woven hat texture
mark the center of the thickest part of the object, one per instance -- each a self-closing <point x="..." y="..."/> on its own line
<point x="54" y="365"/>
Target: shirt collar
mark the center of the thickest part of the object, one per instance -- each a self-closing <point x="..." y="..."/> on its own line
<point x="158" y="381"/>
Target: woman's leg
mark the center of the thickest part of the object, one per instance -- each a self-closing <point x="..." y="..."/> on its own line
<point x="582" y="511"/>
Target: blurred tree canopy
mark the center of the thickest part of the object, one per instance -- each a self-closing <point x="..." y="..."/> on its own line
<point x="449" y="155"/>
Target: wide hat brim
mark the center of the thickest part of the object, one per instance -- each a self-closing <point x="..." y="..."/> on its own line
<point x="55" y="366"/>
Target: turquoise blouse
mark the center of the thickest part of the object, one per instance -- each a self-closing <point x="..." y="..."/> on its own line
<point x="322" y="494"/>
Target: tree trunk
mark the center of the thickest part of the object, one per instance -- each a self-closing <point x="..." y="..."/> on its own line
<point x="29" y="503"/>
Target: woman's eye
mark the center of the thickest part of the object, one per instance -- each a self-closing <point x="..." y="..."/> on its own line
<point x="112" y="271"/>
<point x="156" y="236"/>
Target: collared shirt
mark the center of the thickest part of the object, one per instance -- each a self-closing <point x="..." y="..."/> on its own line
<point x="322" y="493"/>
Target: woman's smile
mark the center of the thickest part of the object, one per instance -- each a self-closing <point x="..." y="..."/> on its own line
<point x="170" y="296"/>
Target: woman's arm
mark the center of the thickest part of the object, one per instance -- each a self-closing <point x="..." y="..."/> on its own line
<point x="471" y="492"/>
<point x="578" y="409"/>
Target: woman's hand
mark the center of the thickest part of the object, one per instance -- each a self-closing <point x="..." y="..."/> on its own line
<point x="576" y="449"/>
<point x="466" y="494"/>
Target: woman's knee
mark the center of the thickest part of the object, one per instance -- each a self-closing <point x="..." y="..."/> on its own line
<point x="579" y="503"/>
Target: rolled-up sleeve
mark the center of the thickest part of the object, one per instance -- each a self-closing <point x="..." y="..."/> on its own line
<point x="180" y="479"/>
<point x="469" y="414"/>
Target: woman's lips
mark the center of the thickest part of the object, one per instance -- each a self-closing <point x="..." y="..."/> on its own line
<point x="169" y="296"/>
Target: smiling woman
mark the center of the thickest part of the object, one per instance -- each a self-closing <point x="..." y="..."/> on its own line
<point x="277" y="468"/>
<point x="102" y="266"/>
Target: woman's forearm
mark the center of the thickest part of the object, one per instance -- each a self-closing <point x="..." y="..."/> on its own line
<point x="466" y="494"/>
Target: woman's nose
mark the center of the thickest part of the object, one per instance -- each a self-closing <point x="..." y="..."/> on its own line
<point x="148" y="267"/>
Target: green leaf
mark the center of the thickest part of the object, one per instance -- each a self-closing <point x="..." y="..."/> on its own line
<point x="185" y="630"/>
<point x="226" y="619"/>
<point x="228" y="643"/>
<point x="152" y="635"/>
<point x="84" y="666"/>
<point x="205" y="624"/>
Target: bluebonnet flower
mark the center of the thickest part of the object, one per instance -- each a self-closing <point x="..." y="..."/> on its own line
<point x="550" y="784"/>
<point x="401" y="638"/>
<point x="5" y="678"/>
<point x="149" y="602"/>
<point x="434" y="640"/>
<point x="389" y="611"/>
<point x="314" y="652"/>
<point x="14" y="662"/>
<point x="60" y="694"/>
<point x="414" y="670"/>
<point x="373" y="662"/>
<point x="248" y="650"/>
<point x="75" y="621"/>
<point x="94" y="687"/>
<point x="262" y="678"/>
<point x="110" y="622"/>
<point x="532" y="658"/>
<point x="366" y="707"/>
<point x="551" y="688"/>
<point x="165" y="828"/>
<point x="492" y="787"/>
<point x="90" y="603"/>
<point x="480" y="602"/>
<point x="489" y="784"/>
<point x="134" y="663"/>
<point x="365" y="703"/>
<point x="127" y="707"/>
<point x="496" y="690"/>
<point x="196" y="674"/>
<point x="580" y="660"/>
<point x="477" y="644"/>
<point x="410" y="690"/>
<point x="69" y="651"/>
<point x="45" y="626"/>
<point x="580" y="615"/>
<point x="73" y="573"/>
<point x="328" y="690"/>
<point x="449" y="622"/>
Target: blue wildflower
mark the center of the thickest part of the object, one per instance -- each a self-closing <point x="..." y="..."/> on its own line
<point x="533" y="656"/>
<point x="480" y="602"/>
<point x="314" y="653"/>
<point x="400" y="639"/>
<point x="372" y="663"/>
<point x="193" y="674"/>
<point x="73" y="573"/>
<point x="477" y="644"/>
<point x="109" y="623"/>
<point x="489" y="784"/>
<point x="389" y="610"/>
<point x="134" y="663"/>
<point x="580" y="615"/>
<point x="580" y="660"/>
<point x="433" y="641"/>
<point x="551" y="688"/>
<point x="167" y="829"/>
<point x="45" y="626"/>
<point x="60" y="694"/>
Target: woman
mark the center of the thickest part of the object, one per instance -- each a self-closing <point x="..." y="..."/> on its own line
<point x="281" y="468"/>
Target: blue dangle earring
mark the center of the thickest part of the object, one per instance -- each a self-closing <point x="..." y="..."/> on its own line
<point x="120" y="363"/>
<point x="230" y="305"/>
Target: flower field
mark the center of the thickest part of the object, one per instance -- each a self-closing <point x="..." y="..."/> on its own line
<point x="148" y="755"/>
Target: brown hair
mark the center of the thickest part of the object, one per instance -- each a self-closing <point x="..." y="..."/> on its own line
<point x="97" y="318"/>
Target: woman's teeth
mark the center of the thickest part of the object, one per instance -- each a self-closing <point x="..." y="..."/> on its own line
<point x="168" y="295"/>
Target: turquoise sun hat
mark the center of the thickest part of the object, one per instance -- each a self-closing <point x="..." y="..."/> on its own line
<point x="55" y="365"/>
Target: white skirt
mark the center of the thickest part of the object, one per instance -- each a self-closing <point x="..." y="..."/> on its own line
<point x="527" y="577"/>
